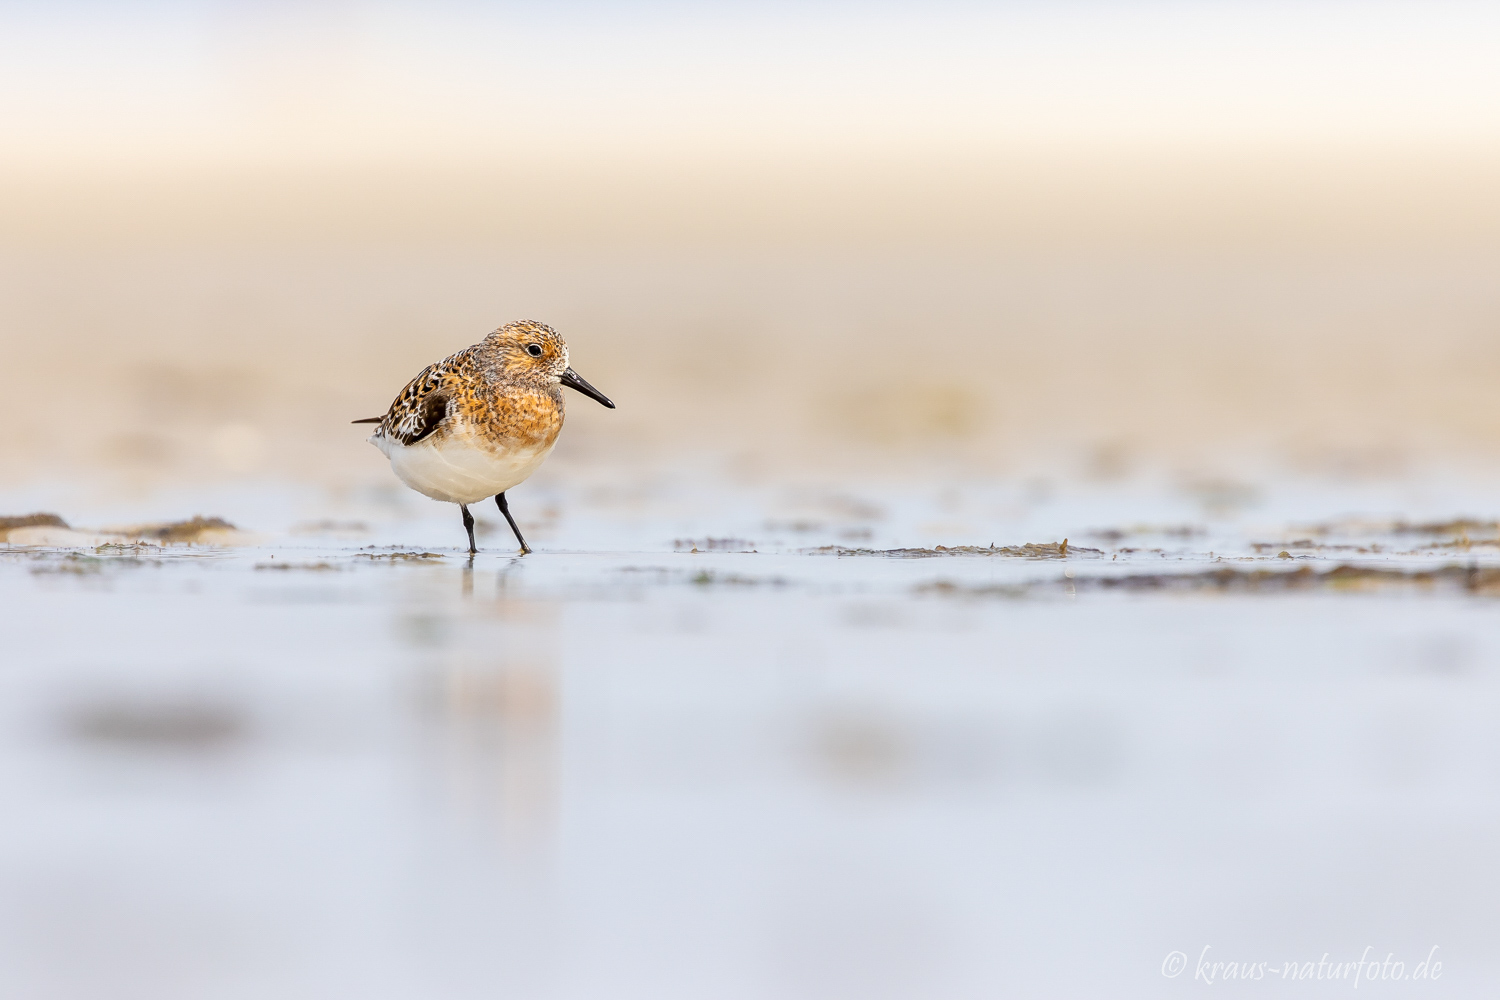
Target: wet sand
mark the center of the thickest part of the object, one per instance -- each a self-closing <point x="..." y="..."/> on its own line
<point x="766" y="743"/>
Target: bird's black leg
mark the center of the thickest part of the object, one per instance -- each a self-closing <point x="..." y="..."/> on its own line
<point x="505" y="509"/>
<point x="468" y="526"/>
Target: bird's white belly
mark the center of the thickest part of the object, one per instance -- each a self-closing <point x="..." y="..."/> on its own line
<point x="459" y="470"/>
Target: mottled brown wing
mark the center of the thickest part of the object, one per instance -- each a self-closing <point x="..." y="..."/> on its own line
<point x="420" y="408"/>
<point x="421" y="418"/>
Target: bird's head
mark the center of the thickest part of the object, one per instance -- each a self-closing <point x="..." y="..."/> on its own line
<point x="529" y="352"/>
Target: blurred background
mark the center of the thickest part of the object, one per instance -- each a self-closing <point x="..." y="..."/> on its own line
<point x="863" y="274"/>
<point x="1107" y="233"/>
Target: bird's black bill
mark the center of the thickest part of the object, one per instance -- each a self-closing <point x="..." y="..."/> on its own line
<point x="573" y="380"/>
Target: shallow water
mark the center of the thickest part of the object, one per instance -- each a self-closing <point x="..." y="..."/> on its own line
<point x="338" y="757"/>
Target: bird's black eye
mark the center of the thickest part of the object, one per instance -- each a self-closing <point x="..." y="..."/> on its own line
<point x="535" y="350"/>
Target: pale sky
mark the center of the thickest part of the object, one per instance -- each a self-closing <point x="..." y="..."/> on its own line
<point x="423" y="83"/>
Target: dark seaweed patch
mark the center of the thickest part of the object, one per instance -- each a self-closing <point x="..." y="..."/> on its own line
<point x="32" y="521"/>
<point x="191" y="530"/>
<point x="1230" y="579"/>
<point x="395" y="557"/>
<point x="1031" y="550"/>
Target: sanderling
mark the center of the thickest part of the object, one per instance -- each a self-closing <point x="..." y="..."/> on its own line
<point x="476" y="424"/>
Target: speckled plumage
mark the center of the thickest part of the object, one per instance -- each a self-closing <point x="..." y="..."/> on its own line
<point x="477" y="423"/>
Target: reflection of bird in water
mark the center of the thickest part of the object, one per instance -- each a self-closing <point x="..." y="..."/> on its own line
<point x="476" y="424"/>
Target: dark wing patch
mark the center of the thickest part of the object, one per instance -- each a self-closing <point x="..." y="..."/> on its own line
<point x="424" y="416"/>
<point x="426" y="402"/>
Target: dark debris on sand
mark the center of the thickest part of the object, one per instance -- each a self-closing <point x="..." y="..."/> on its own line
<point x="396" y="557"/>
<point x="1031" y="550"/>
<point x="9" y="524"/>
<point x="1356" y="526"/>
<point x="181" y="531"/>
<point x="1345" y="576"/>
<point x="32" y="521"/>
<point x="1457" y="526"/>
<point x="1479" y="580"/>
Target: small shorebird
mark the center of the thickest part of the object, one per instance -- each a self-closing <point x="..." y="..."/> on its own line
<point x="474" y="425"/>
